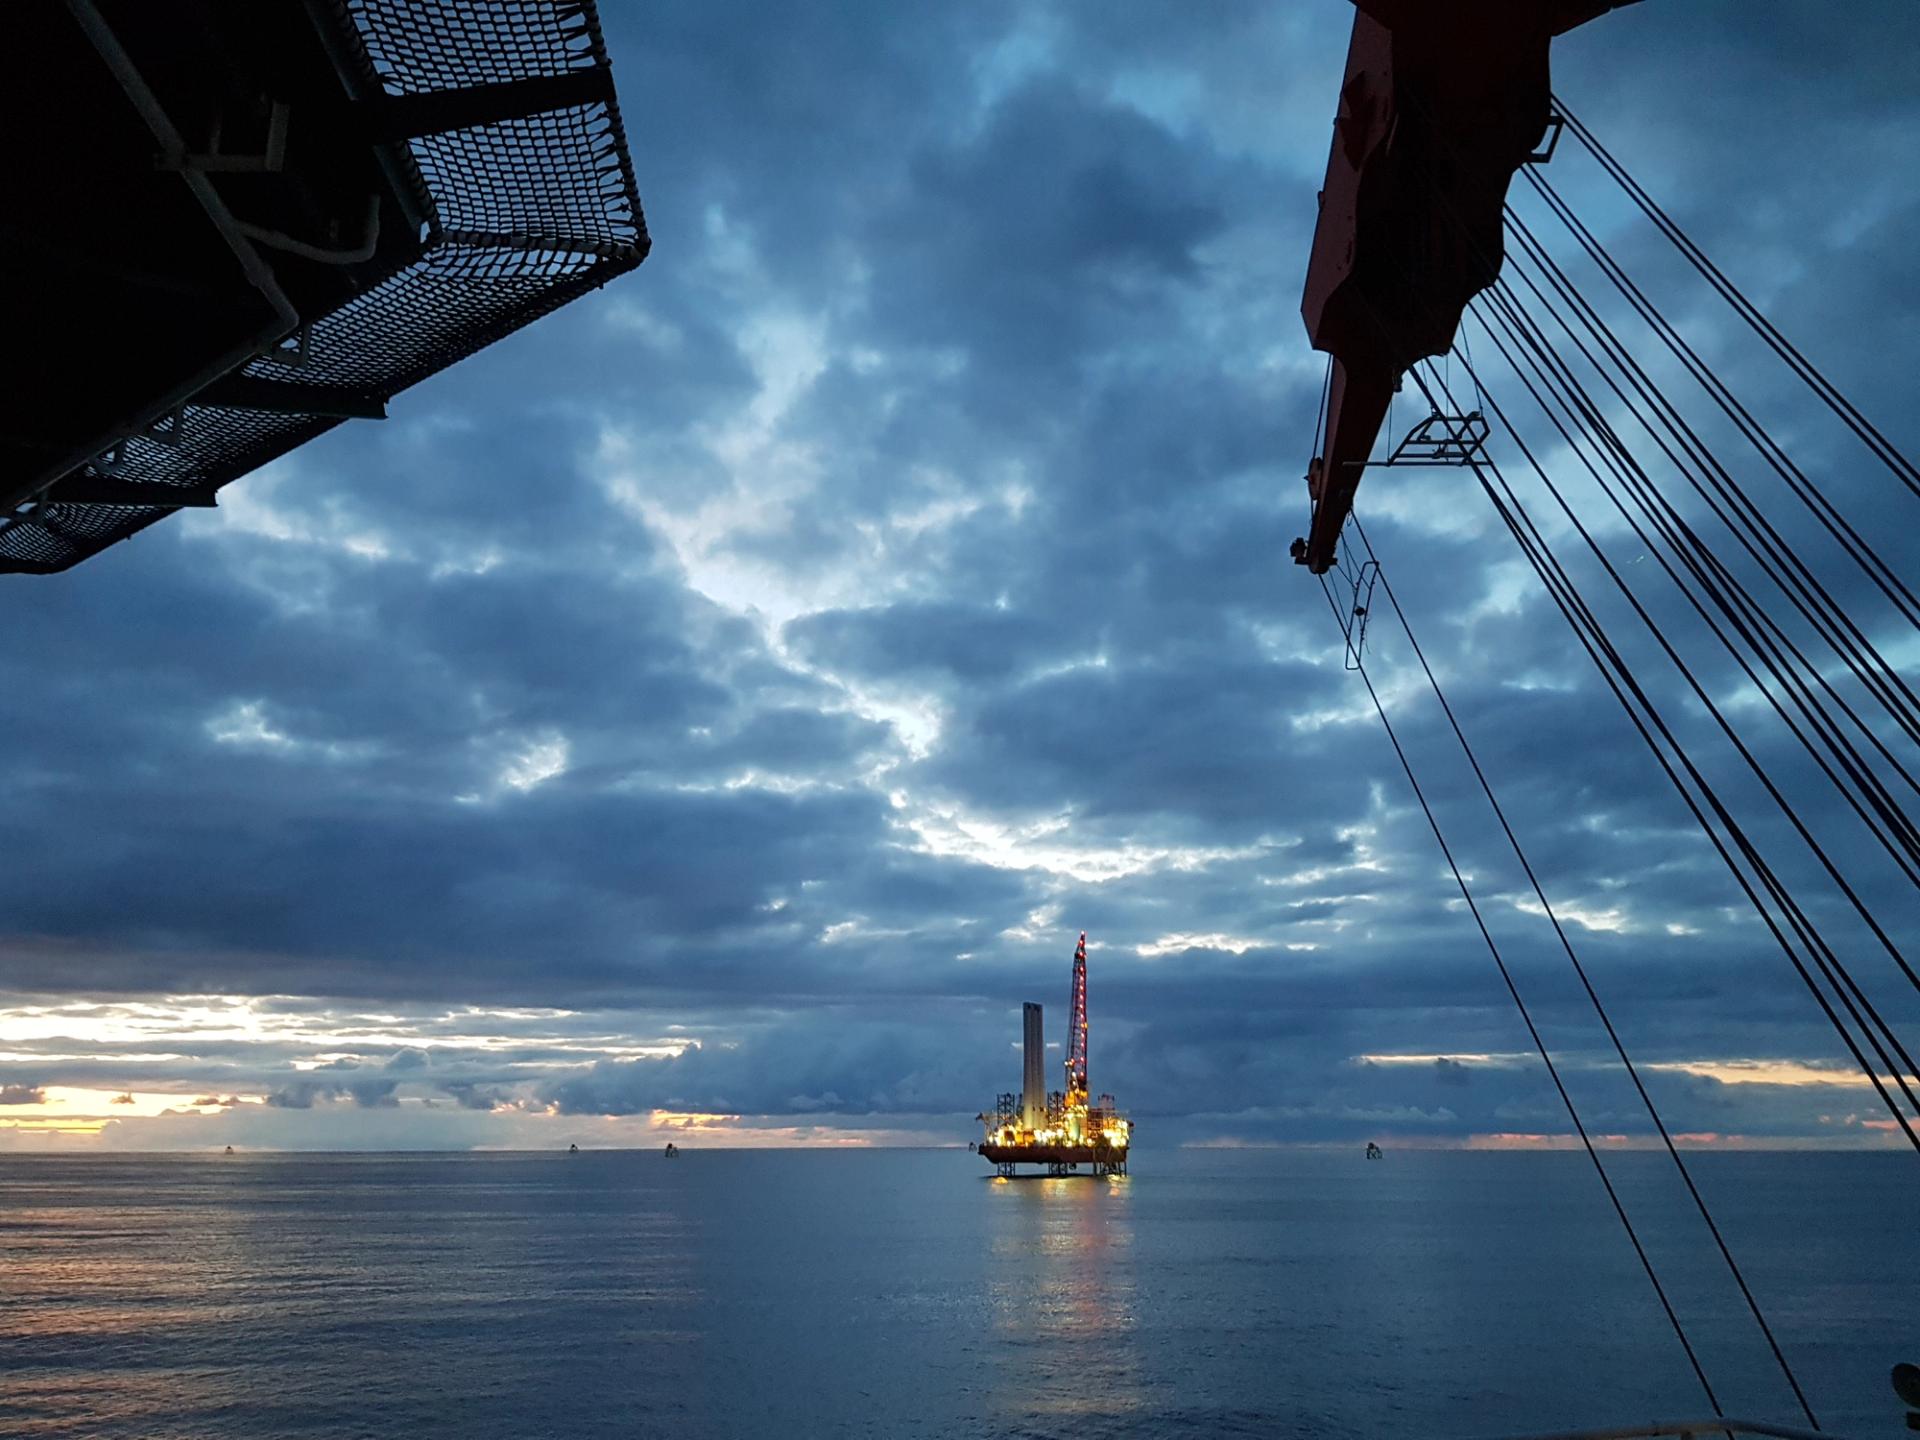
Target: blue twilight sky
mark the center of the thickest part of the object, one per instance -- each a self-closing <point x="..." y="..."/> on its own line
<point x="719" y="706"/>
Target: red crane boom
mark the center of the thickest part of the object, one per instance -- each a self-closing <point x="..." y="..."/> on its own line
<point x="1443" y="100"/>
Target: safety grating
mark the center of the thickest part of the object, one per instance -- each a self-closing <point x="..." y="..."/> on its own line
<point x="523" y="215"/>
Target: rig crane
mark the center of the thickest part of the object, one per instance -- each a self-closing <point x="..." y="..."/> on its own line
<point x="1442" y="102"/>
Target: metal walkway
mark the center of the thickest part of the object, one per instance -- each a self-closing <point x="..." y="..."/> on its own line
<point x="235" y="225"/>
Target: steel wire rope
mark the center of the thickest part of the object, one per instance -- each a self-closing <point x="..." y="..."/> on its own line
<point x="1759" y="771"/>
<point x="1828" y="961"/>
<point x="1823" y="955"/>
<point x="1809" y="374"/>
<point x="1711" y="576"/>
<point x="1795" y="918"/>
<point x="1720" y="585"/>
<point x="1539" y="1042"/>
<point x="1568" y="600"/>
<point x="1320" y="416"/>
<point x="1807" y="594"/>
<point x="1832" y="520"/>
<point x="1555" y="591"/>
<point x="1887" y="701"/>
<point x="1892" y="704"/>
<point x="1618" y="674"/>
<point x="1725" y="590"/>
<point x="1563" y="286"/>
<point x="1579" y="969"/>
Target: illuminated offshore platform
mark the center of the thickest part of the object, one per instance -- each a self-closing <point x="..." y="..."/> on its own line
<point x="1059" y="1130"/>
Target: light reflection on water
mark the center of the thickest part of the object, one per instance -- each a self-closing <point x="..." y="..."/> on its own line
<point x="1064" y="1294"/>
<point x="501" y="1297"/>
<point x="333" y="1296"/>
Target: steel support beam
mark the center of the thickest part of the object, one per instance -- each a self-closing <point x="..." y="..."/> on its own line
<point x="258" y="273"/>
<point x="111" y="490"/>
<point x="287" y="397"/>
<point x="407" y="117"/>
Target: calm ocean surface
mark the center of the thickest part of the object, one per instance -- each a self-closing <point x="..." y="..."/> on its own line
<point x="902" y="1293"/>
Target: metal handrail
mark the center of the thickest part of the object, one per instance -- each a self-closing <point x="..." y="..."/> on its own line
<point x="1685" y="1430"/>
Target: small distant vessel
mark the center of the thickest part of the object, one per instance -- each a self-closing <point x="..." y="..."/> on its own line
<point x="1062" y="1130"/>
<point x="673" y="1151"/>
<point x="229" y="1149"/>
<point x="573" y="1149"/>
<point x="1374" y="1152"/>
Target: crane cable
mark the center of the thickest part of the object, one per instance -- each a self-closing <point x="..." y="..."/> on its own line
<point x="1582" y="405"/>
<point x="1593" y="639"/>
<point x="1796" y="480"/>
<point x="1718" y="584"/>
<point x="1882" y="448"/>
<point x="1756" y="535"/>
<point x="1611" y="347"/>
<point x="1600" y="1009"/>
<point x="1829" y="964"/>
<point x="1705" y="700"/>
<point x="1539" y="1042"/>
<point x="1620" y="679"/>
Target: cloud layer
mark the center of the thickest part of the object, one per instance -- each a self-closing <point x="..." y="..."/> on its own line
<point x="721" y="704"/>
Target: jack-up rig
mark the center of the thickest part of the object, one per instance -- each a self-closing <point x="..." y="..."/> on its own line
<point x="1060" y="1130"/>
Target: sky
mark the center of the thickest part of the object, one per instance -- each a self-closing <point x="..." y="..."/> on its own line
<point x="711" y="712"/>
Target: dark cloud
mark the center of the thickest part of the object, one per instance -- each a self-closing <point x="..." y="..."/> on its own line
<point x="301" y="1095"/>
<point x="733" y="692"/>
<point x="22" y="1095"/>
<point x="372" y="1094"/>
<point x="855" y="1069"/>
<point x="479" y="1097"/>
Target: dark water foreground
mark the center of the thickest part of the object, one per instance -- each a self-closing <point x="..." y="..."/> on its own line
<point x="902" y="1293"/>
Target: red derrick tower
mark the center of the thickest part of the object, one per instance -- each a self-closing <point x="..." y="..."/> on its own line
<point x="1077" y="1028"/>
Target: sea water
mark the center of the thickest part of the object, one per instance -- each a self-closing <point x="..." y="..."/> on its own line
<point x="908" y="1293"/>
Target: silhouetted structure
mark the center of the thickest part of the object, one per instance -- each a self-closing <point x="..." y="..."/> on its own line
<point x="1906" y="1384"/>
<point x="1440" y="105"/>
<point x="1033" y="1055"/>
<point x="234" y="225"/>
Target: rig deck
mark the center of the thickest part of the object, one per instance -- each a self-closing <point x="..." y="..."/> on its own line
<point x="1059" y="1159"/>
